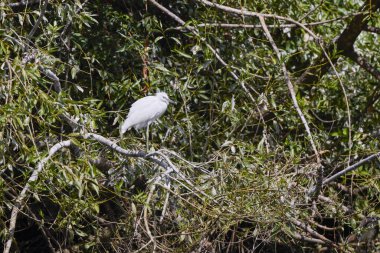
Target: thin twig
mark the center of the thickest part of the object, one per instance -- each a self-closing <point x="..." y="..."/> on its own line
<point x="146" y="223"/>
<point x="244" y="12"/>
<point x="166" y="202"/>
<point x="250" y="26"/>
<point x="291" y="89"/>
<point x="311" y="11"/>
<point x="24" y="3"/>
<point x="42" y="14"/>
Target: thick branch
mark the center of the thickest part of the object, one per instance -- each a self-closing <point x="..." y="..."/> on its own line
<point x="125" y="152"/>
<point x="307" y="239"/>
<point x="308" y="229"/>
<point x="343" y="43"/>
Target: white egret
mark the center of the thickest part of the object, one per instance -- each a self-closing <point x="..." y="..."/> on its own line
<point x="145" y="111"/>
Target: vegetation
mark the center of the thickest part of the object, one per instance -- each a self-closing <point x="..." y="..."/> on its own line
<point x="274" y="98"/>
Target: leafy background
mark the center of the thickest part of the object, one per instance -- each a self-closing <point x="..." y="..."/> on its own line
<point x="246" y="167"/>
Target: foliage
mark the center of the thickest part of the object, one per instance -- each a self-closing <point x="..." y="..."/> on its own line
<point x="245" y="168"/>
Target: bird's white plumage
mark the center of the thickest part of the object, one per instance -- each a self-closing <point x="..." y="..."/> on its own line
<point x="145" y="110"/>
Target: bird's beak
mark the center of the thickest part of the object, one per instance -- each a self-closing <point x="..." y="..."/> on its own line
<point x="172" y="102"/>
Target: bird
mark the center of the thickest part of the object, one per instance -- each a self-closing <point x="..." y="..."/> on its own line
<point x="145" y="111"/>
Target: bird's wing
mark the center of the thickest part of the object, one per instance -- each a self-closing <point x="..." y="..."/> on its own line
<point x="143" y="112"/>
<point x="136" y="108"/>
<point x="141" y="103"/>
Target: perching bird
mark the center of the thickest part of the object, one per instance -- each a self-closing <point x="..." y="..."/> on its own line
<point x="145" y="111"/>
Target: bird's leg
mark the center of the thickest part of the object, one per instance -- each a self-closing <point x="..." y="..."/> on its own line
<point x="147" y="138"/>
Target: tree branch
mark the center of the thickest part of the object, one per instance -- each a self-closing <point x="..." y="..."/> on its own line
<point x="24" y="3"/>
<point x="290" y="87"/>
<point x="25" y="192"/>
<point x="372" y="29"/>
<point x="344" y="42"/>
<point x="52" y="76"/>
<point x="244" y="12"/>
<point x="350" y="168"/>
<point x="125" y="152"/>
<point x="354" y="56"/>
<point x="249" y="26"/>
<point x="20" y="201"/>
<point x="308" y="229"/>
<point x="42" y="13"/>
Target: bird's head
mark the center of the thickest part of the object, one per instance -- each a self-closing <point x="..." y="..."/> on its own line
<point x="164" y="97"/>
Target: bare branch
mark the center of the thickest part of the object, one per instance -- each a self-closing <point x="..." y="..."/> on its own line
<point x="307" y="239"/>
<point x="324" y="227"/>
<point x="345" y="209"/>
<point x="125" y="152"/>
